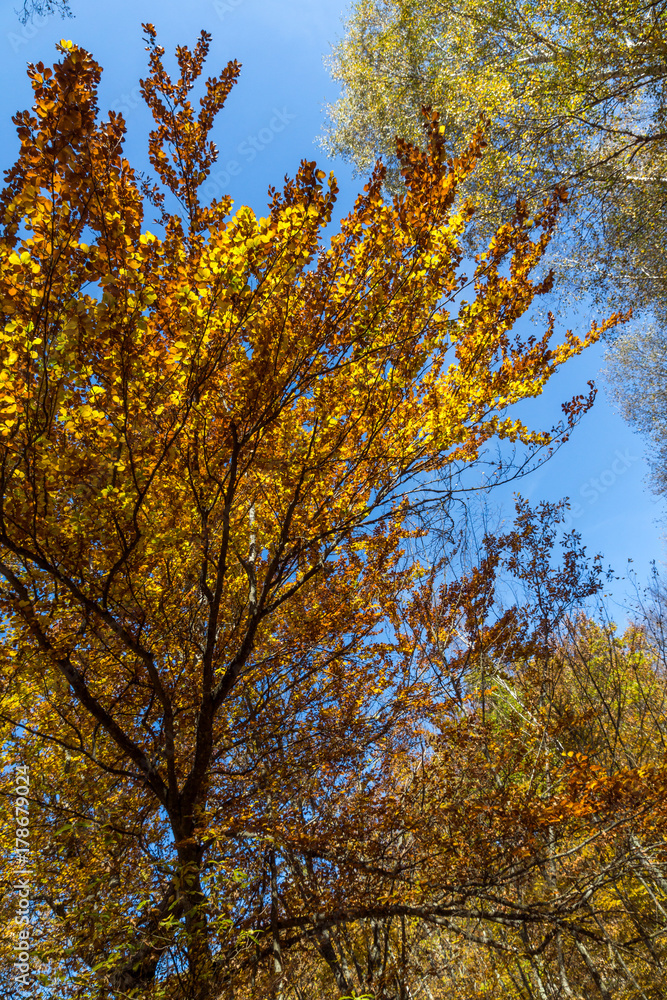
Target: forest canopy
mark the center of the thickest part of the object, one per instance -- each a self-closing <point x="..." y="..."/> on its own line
<point x="574" y="94"/>
<point x="273" y="736"/>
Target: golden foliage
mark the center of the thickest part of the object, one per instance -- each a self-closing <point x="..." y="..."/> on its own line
<point x="207" y="438"/>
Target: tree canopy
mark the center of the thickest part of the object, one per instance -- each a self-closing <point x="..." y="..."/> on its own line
<point x="263" y="749"/>
<point x="636" y="376"/>
<point x="574" y="93"/>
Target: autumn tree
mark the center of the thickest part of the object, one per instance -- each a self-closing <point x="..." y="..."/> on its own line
<point x="215" y="434"/>
<point x="526" y="856"/>
<point x="538" y="800"/>
<point x="575" y="94"/>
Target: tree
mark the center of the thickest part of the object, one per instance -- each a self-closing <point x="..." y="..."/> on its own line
<point x="213" y="443"/>
<point x="541" y="796"/>
<point x="636" y="375"/>
<point x="575" y="94"/>
<point x="43" y="8"/>
<point x="527" y="853"/>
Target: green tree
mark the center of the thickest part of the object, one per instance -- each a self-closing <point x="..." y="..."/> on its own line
<point x="636" y="373"/>
<point x="574" y="93"/>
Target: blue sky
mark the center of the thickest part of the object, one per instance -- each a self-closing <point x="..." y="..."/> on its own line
<point x="270" y="123"/>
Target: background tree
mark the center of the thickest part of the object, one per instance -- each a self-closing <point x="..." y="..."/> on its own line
<point x="636" y="375"/>
<point x="541" y="793"/>
<point x="42" y="8"/>
<point x="212" y="444"/>
<point x="575" y="94"/>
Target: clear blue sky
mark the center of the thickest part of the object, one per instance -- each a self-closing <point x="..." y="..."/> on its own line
<point x="270" y="123"/>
